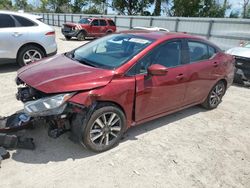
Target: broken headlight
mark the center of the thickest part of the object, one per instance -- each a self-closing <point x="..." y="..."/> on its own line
<point x="47" y="106"/>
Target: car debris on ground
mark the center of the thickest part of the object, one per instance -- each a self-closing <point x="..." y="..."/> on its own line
<point x="9" y="138"/>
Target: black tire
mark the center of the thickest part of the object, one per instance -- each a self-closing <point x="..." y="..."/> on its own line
<point x="21" y="54"/>
<point x="67" y="37"/>
<point x="238" y="79"/>
<point x="81" y="36"/>
<point x="109" y="32"/>
<point x="100" y="144"/>
<point x="214" y="97"/>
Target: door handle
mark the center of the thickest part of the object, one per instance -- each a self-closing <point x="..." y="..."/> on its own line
<point x="215" y="64"/>
<point x="16" y="34"/>
<point x="180" y="76"/>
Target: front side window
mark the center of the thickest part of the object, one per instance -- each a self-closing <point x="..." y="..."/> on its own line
<point x="6" y="21"/>
<point x="111" y="51"/>
<point x="168" y="55"/>
<point x="24" y="22"/>
<point x="95" y="23"/>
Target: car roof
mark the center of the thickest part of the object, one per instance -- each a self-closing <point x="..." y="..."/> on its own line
<point x="102" y="18"/>
<point x="30" y="16"/>
<point x="157" y="35"/>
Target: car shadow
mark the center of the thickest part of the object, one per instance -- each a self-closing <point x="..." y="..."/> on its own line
<point x="61" y="149"/>
<point x="10" y="67"/>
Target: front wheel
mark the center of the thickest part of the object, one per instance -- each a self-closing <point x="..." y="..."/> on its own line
<point x="214" y="97"/>
<point x="104" y="129"/>
<point x="81" y="36"/>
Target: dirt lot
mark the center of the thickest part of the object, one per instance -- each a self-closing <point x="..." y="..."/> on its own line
<point x="191" y="148"/>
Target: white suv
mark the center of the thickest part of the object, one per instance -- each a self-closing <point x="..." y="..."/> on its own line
<point x="24" y="38"/>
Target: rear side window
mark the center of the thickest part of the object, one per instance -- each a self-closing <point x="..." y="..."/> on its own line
<point x="6" y="21"/>
<point x="197" y="51"/>
<point x="111" y="23"/>
<point x="24" y="22"/>
<point x="95" y="22"/>
<point x="103" y="23"/>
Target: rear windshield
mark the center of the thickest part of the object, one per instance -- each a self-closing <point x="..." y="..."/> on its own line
<point x="84" y="21"/>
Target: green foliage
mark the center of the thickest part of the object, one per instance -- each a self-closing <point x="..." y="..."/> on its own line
<point x="130" y="7"/>
<point x="59" y="6"/>
<point x="234" y="14"/>
<point x="92" y="10"/>
<point x="199" y="8"/>
<point x="6" y="4"/>
<point x="77" y="6"/>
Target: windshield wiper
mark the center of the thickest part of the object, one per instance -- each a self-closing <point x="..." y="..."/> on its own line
<point x="85" y="62"/>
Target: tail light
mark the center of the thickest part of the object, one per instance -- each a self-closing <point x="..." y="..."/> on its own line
<point x="50" y="33"/>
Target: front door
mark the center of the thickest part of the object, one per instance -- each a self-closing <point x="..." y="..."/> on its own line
<point x="159" y="94"/>
<point x="95" y="28"/>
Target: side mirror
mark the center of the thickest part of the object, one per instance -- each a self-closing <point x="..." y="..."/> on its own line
<point x="157" y="70"/>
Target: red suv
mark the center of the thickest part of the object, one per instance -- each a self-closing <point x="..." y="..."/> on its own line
<point x="121" y="80"/>
<point x="88" y="27"/>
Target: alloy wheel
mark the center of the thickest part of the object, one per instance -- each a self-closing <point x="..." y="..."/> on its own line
<point x="105" y="129"/>
<point x="31" y="56"/>
<point x="216" y="94"/>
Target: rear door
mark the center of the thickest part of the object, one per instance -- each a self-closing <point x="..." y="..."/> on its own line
<point x="203" y="70"/>
<point x="7" y="37"/>
<point x="159" y="94"/>
<point x="103" y="27"/>
<point x="13" y="34"/>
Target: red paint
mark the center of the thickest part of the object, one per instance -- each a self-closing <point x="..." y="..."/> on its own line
<point x="142" y="97"/>
<point x="94" y="31"/>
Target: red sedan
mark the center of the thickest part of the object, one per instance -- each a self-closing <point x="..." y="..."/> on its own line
<point x="121" y="80"/>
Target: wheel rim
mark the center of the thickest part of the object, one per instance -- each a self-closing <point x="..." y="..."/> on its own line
<point x="105" y="129"/>
<point x="81" y="36"/>
<point x="31" y="56"/>
<point x="216" y="94"/>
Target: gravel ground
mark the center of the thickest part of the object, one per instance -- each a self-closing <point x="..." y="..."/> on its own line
<point x="191" y="148"/>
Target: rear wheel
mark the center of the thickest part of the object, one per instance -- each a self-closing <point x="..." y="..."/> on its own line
<point x="214" y="97"/>
<point x="104" y="129"/>
<point x="29" y="54"/>
<point x="81" y="36"/>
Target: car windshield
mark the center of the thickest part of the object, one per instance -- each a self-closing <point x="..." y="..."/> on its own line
<point x="111" y="51"/>
<point x="84" y="21"/>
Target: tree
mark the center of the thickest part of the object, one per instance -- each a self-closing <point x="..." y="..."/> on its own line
<point x="157" y="10"/>
<point x="245" y="5"/>
<point x="130" y="7"/>
<point x="59" y="6"/>
<point x="6" y="4"/>
<point x="186" y="8"/>
<point x="210" y="8"/>
<point x="77" y="5"/>
<point x="21" y="4"/>
<point x="234" y="14"/>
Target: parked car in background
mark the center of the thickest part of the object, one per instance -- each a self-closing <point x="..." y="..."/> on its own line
<point x="242" y="63"/>
<point x="88" y="27"/>
<point x="100" y="92"/>
<point x="151" y="28"/>
<point x="24" y="38"/>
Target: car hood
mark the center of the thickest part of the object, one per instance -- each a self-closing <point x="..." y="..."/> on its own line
<point x="60" y="74"/>
<point x="70" y="24"/>
<point x="239" y="51"/>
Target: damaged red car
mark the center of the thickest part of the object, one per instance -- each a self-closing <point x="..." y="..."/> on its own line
<point x="102" y="88"/>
